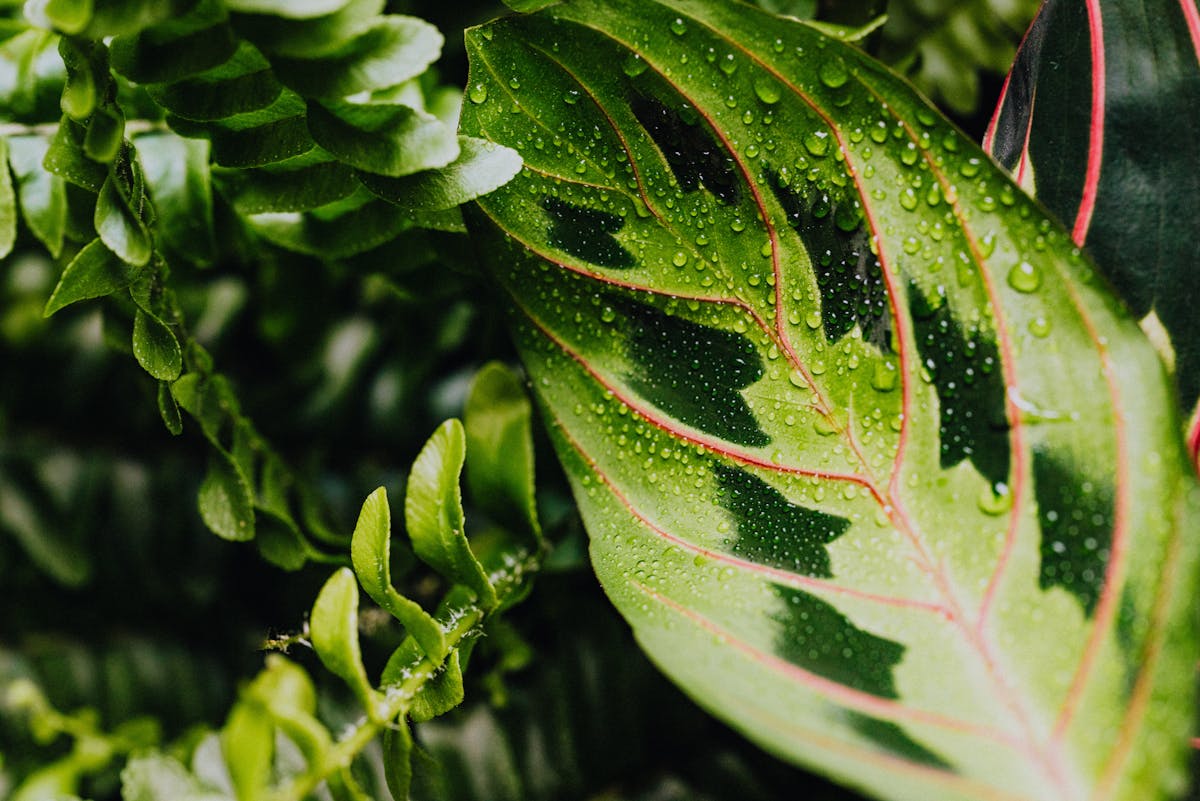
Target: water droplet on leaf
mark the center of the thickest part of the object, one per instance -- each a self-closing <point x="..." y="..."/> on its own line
<point x="817" y="142"/>
<point x="767" y="90"/>
<point x="1025" y="277"/>
<point x="833" y="72"/>
<point x="995" y="500"/>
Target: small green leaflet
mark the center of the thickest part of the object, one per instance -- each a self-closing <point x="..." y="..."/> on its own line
<point x="873" y="463"/>
<point x="434" y="515"/>
<point x="334" y="627"/>
<point x="370" y="550"/>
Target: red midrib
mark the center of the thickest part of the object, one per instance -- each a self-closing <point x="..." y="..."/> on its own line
<point x="1091" y="183"/>
<point x="973" y="634"/>
<point x="1191" y="16"/>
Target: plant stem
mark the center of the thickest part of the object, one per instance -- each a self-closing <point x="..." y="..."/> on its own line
<point x="399" y="697"/>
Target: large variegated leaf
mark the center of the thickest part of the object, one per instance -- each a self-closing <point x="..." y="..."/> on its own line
<point x="875" y="466"/>
<point x="1100" y="118"/>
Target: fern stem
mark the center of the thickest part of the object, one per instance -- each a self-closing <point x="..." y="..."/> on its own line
<point x="398" y="698"/>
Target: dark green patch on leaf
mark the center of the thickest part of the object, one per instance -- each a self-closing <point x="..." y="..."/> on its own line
<point x="818" y="638"/>
<point x="1077" y="521"/>
<point x="690" y="150"/>
<point x="965" y="368"/>
<point x="773" y="531"/>
<point x="894" y="740"/>
<point x="848" y="273"/>
<point x="586" y="234"/>
<point x="694" y="372"/>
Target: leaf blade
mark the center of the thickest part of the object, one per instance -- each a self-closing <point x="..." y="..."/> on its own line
<point x="370" y="551"/>
<point x="731" y="265"/>
<point x="434" y="516"/>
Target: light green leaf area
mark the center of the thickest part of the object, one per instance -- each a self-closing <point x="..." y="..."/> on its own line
<point x="311" y="37"/>
<point x="875" y="466"/>
<point x="65" y="159"/>
<point x="481" y="167"/>
<point x="529" y="5"/>
<point x="500" y="451"/>
<point x="370" y="551"/>
<point x="393" y="50"/>
<point x="105" y="133"/>
<point x="86" y="65"/>
<point x="389" y="139"/>
<point x="94" y="272"/>
<point x="433" y="512"/>
<point x="293" y="9"/>
<point x="287" y="694"/>
<point x="248" y="750"/>
<point x="68" y="16"/>
<point x="334" y="631"/>
<point x="117" y="17"/>
<point x="41" y="195"/>
<point x="8" y="203"/>
<point x="158" y="777"/>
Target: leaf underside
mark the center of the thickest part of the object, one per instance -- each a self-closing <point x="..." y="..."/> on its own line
<point x="873" y="464"/>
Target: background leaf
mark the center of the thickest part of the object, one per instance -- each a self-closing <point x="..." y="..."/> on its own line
<point x="1098" y="119"/>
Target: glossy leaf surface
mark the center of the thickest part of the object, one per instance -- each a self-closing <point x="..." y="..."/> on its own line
<point x="334" y="626"/>
<point x="870" y="459"/>
<point x="1100" y="119"/>
<point x="370" y="550"/>
<point x="434" y="515"/>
